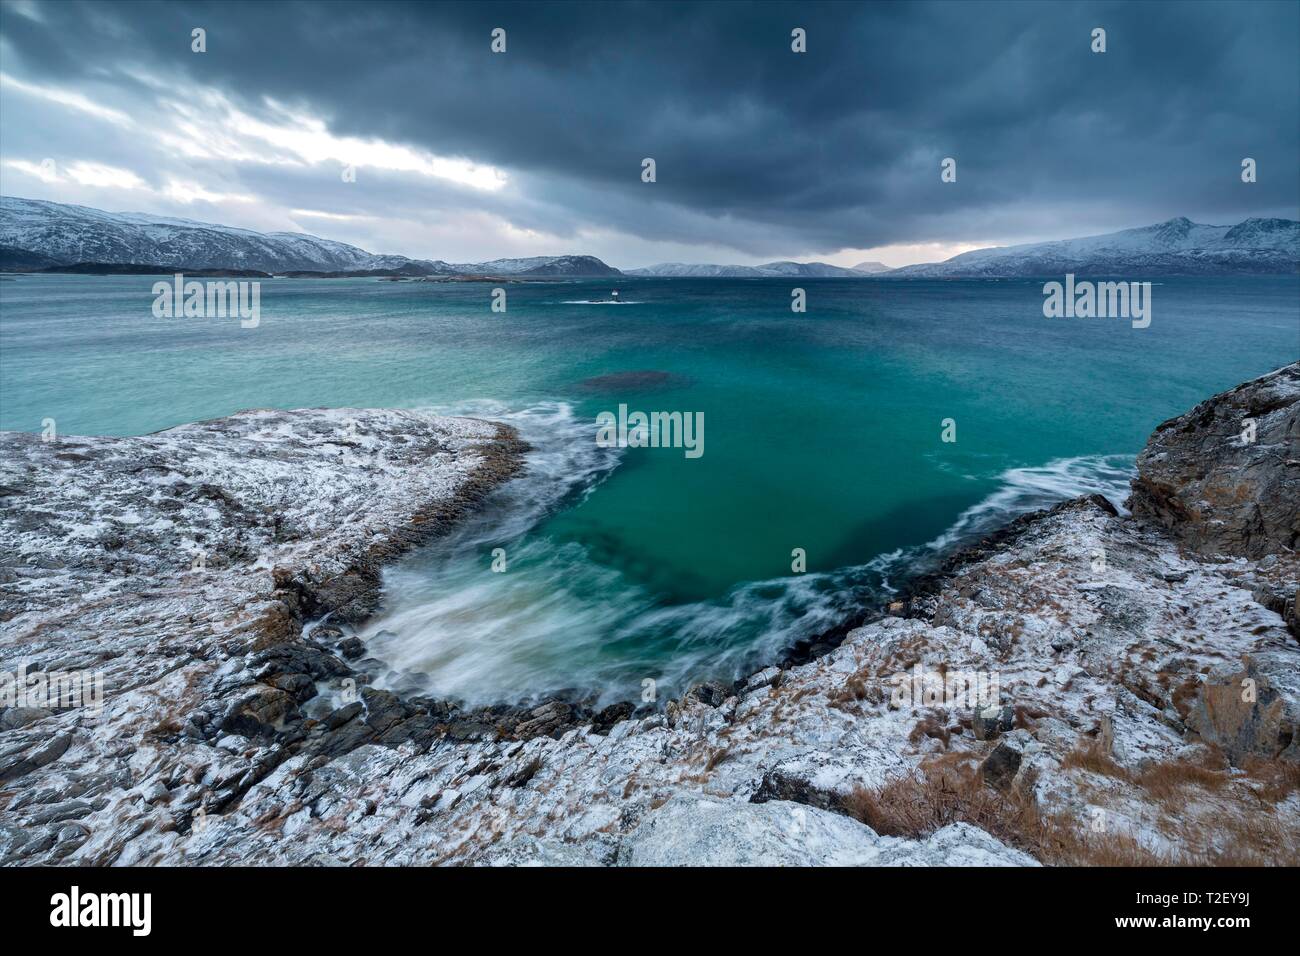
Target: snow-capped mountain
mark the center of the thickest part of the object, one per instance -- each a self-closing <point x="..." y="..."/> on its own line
<point x="1176" y="247"/>
<point x="70" y="234"/>
<point x="769" y="269"/>
<point x="37" y="234"/>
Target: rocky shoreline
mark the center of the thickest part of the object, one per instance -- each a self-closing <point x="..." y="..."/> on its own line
<point x="229" y="734"/>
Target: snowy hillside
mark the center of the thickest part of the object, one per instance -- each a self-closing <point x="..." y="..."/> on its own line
<point x="1176" y="247"/>
<point x="36" y="234"/>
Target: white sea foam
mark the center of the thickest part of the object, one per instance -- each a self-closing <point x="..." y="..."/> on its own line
<point x="1028" y="489"/>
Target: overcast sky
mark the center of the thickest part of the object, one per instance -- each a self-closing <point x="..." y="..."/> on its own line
<point x="762" y="153"/>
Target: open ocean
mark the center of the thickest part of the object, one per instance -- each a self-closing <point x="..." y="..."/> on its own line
<point x="822" y="432"/>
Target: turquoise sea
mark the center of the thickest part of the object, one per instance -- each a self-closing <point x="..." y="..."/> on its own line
<point x="822" y="432"/>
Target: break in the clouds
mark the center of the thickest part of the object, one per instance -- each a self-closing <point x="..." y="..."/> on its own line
<point x="463" y="154"/>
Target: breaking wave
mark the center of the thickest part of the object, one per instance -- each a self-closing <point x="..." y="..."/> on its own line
<point x="1028" y="489"/>
<point x="561" y="621"/>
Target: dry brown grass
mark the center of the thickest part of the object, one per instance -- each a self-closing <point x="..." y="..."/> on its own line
<point x="937" y="795"/>
<point x="1025" y="716"/>
<point x="524" y="774"/>
<point x="712" y="756"/>
<point x="949" y="790"/>
<point x="930" y="726"/>
<point x="931" y="797"/>
<point x="1280" y="778"/>
<point x="167" y="727"/>
<point x="272" y="821"/>
<point x="716" y="756"/>
<point x="1093" y="757"/>
<point x="863" y="685"/>
<point x="1184" y="694"/>
<point x="1168" y="781"/>
<point x="855" y="688"/>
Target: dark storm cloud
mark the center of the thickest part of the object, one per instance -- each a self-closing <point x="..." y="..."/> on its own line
<point x="765" y="151"/>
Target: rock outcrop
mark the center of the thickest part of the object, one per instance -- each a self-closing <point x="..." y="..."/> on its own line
<point x="178" y="569"/>
<point x="1113" y="651"/>
<point x="1247" y="713"/>
<point x="1224" y="478"/>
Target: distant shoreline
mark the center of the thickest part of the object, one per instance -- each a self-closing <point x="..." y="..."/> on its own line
<point x="130" y="269"/>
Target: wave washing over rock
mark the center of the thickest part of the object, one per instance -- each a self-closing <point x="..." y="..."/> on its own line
<point x="1147" y="668"/>
<point x="563" y="625"/>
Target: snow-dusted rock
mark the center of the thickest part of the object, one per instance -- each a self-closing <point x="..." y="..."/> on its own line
<point x="529" y="851"/>
<point x="958" y="844"/>
<point x="205" y="752"/>
<point x="705" y="831"/>
<point x="700" y="831"/>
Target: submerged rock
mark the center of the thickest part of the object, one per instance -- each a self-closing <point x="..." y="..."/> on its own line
<point x="638" y="381"/>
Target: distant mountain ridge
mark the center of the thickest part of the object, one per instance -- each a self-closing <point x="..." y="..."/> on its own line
<point x="36" y="234"/>
<point x="1176" y="247"/>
